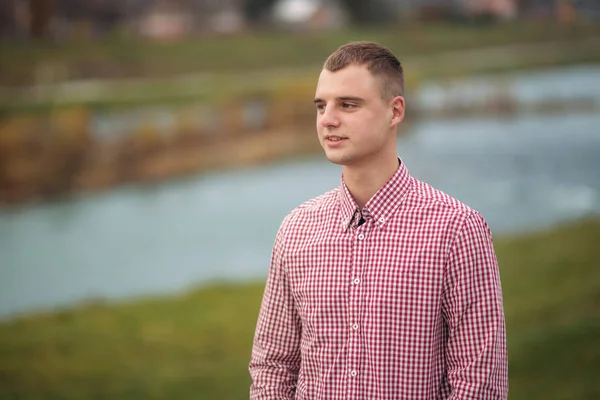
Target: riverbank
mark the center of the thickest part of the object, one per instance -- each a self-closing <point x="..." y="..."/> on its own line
<point x="196" y="345"/>
<point x="124" y="111"/>
<point x="89" y="150"/>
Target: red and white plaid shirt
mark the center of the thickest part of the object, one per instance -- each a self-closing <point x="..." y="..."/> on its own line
<point x="408" y="305"/>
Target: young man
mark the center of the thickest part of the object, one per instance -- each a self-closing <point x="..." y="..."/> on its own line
<point x="384" y="288"/>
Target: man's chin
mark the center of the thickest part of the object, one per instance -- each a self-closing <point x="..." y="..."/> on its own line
<point x="336" y="159"/>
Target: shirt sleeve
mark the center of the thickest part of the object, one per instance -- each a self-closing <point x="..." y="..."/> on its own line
<point x="476" y="355"/>
<point x="275" y="360"/>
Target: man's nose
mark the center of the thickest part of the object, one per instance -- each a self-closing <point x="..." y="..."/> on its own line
<point x="329" y="118"/>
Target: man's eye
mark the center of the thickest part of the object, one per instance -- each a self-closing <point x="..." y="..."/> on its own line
<point x="320" y="107"/>
<point x="348" y="105"/>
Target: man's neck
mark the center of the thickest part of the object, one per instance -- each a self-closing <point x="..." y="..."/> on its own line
<point x="364" y="182"/>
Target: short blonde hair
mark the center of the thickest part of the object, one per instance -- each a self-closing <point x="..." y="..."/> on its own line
<point x="379" y="60"/>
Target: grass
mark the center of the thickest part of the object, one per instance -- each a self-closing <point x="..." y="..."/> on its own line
<point x="552" y="292"/>
<point x="197" y="345"/>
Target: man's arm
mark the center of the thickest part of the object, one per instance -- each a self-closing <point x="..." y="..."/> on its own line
<point x="275" y="358"/>
<point x="476" y="355"/>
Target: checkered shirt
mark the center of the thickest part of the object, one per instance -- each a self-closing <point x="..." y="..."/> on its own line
<point x="408" y="305"/>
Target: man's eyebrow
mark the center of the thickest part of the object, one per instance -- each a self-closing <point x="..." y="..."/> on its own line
<point x="343" y="98"/>
<point x="350" y="98"/>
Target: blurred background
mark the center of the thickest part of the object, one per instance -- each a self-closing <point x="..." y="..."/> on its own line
<point x="150" y="149"/>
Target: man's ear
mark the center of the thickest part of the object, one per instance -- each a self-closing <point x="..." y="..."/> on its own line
<point x="398" y="107"/>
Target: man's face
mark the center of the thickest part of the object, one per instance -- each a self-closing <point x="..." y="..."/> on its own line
<point x="355" y="125"/>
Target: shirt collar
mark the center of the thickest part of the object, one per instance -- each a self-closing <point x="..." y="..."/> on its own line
<point x="381" y="206"/>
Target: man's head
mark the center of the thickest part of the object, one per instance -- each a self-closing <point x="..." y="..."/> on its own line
<point x="359" y="105"/>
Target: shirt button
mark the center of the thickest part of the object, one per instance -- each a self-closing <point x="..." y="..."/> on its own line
<point x="356" y="281"/>
<point x="355" y="327"/>
<point x="353" y="373"/>
<point x="382" y="220"/>
<point x="361" y="236"/>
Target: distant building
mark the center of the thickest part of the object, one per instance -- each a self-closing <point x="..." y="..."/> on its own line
<point x="449" y="9"/>
<point x="501" y="9"/>
<point x="164" y="21"/>
<point x="562" y="10"/>
<point x="171" y="19"/>
<point x="160" y="19"/>
<point x="309" y="15"/>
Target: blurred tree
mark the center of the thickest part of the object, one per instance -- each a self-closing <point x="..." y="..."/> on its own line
<point x="41" y="12"/>
<point x="7" y="18"/>
<point x="255" y="9"/>
<point x="368" y="12"/>
<point x="106" y="15"/>
<point x="525" y="6"/>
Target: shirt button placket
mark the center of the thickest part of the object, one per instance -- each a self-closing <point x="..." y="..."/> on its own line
<point x="355" y="351"/>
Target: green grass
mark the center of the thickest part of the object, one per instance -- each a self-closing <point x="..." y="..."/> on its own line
<point x="552" y="298"/>
<point x="197" y="345"/>
<point x="194" y="346"/>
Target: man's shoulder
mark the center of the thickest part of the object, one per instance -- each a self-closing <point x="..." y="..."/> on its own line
<point x="428" y="196"/>
<point x="444" y="213"/>
<point x="314" y="207"/>
<point x="323" y="203"/>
